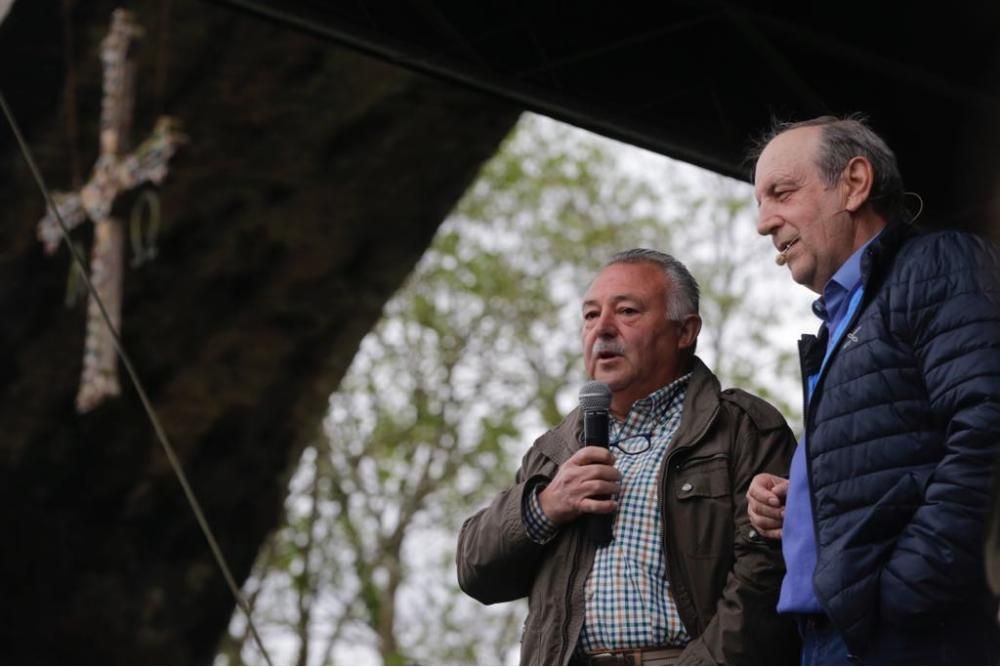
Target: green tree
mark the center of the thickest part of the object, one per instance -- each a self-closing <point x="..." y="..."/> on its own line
<point x="744" y="296"/>
<point x="475" y="356"/>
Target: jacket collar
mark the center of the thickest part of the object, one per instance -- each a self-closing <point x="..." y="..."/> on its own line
<point x="876" y="258"/>
<point x="700" y="405"/>
<point x="882" y="249"/>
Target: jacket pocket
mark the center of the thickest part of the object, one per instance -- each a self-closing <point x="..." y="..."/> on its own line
<point x="703" y="506"/>
<point x="703" y="476"/>
<point x="883" y="522"/>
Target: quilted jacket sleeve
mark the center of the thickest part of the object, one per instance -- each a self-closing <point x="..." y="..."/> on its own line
<point x="950" y="295"/>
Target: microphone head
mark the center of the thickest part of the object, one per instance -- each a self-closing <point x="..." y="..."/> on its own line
<point x="780" y="259"/>
<point x="595" y="396"/>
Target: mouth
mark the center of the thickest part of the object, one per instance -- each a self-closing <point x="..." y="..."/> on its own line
<point x="783" y="248"/>
<point x="605" y="350"/>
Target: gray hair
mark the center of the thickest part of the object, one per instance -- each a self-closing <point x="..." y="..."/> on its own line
<point x="844" y="138"/>
<point x="683" y="292"/>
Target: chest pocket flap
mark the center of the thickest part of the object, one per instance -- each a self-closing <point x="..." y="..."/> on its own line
<point x="703" y="477"/>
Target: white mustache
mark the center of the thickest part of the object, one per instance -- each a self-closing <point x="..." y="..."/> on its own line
<point x="601" y="346"/>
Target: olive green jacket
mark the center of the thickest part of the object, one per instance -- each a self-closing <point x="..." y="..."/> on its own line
<point x="723" y="576"/>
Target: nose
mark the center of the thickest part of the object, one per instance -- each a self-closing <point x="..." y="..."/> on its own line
<point x="605" y="323"/>
<point x="767" y="222"/>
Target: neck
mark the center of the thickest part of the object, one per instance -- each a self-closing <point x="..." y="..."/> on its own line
<point x="867" y="223"/>
<point x="620" y="409"/>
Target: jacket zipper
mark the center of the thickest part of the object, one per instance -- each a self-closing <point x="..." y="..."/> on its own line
<point x="810" y="408"/>
<point x="867" y="280"/>
<point x="664" y="473"/>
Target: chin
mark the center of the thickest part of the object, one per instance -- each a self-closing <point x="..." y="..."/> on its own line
<point x="804" y="279"/>
<point x="613" y="382"/>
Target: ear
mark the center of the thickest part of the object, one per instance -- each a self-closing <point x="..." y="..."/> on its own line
<point x="857" y="181"/>
<point x="690" y="328"/>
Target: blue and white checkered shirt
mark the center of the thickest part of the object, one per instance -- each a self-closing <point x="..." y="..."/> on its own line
<point x="629" y="603"/>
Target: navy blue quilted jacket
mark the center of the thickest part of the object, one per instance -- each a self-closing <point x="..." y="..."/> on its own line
<point x="902" y="435"/>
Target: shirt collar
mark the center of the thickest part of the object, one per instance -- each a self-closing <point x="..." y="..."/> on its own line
<point x="843" y="282"/>
<point x="661" y="400"/>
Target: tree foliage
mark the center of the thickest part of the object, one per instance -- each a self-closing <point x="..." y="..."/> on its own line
<point x="475" y="356"/>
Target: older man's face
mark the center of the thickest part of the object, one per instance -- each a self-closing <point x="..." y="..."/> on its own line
<point x="628" y="341"/>
<point x="805" y="217"/>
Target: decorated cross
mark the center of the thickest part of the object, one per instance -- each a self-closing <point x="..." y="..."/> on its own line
<point x="115" y="172"/>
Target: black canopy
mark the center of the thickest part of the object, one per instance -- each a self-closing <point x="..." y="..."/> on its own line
<point x="697" y="80"/>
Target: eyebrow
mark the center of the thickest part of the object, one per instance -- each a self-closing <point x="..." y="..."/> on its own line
<point x="616" y="299"/>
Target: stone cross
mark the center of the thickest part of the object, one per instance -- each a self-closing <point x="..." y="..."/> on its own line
<point x="115" y="172"/>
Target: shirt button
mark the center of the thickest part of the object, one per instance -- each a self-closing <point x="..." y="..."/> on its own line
<point x="687" y="487"/>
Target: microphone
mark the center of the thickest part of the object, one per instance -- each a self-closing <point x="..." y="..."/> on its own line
<point x="595" y="399"/>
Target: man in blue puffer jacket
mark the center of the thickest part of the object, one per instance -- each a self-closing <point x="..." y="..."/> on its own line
<point x="882" y="517"/>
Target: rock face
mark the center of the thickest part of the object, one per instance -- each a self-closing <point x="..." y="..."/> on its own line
<point x="313" y="181"/>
